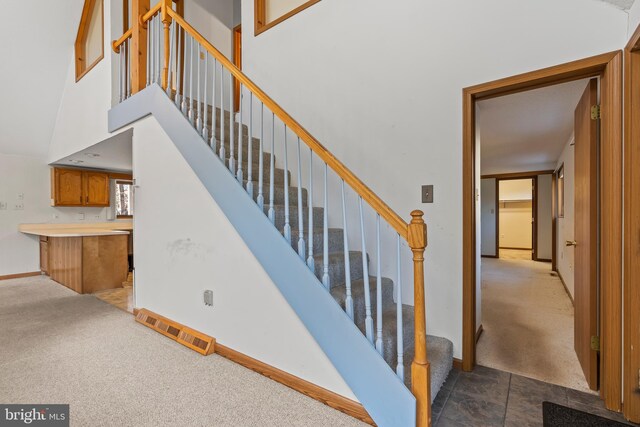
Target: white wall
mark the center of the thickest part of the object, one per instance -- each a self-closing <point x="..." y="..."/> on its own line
<point x="214" y="20"/>
<point x="565" y="226"/>
<point x="382" y="91"/>
<point x="515" y="225"/>
<point x="545" y="215"/>
<point x="185" y="244"/>
<point x="29" y="176"/>
<point x="516" y="189"/>
<point x="488" y="216"/>
<point x="82" y="114"/>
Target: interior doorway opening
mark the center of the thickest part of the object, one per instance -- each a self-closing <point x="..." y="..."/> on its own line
<point x="608" y="68"/>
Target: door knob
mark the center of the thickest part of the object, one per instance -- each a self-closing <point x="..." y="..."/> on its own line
<point x="571" y="243"/>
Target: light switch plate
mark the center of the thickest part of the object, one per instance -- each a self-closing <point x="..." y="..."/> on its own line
<point x="19" y="206"/>
<point x="208" y="298"/>
<point x="427" y="194"/>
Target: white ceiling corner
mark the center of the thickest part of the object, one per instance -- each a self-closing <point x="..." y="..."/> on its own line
<point x="620" y="4"/>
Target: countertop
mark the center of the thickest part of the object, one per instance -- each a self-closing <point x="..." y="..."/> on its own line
<point x="112" y="228"/>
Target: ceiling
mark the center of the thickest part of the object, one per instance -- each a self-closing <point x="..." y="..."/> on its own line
<point x="35" y="60"/>
<point x="621" y="4"/>
<point x="113" y="154"/>
<point x="527" y="130"/>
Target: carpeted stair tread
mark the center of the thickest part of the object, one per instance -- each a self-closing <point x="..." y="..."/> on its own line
<point x="339" y="294"/>
<point x="336" y="266"/>
<point x="279" y="210"/>
<point x="440" y="356"/>
<point x="336" y="242"/>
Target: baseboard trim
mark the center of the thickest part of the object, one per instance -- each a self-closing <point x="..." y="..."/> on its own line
<point x="478" y="333"/>
<point x="565" y="287"/>
<point x="489" y="256"/>
<point x="516" y="249"/>
<point x="457" y="364"/>
<point x="543" y="259"/>
<point x="20" y="275"/>
<point x="314" y="391"/>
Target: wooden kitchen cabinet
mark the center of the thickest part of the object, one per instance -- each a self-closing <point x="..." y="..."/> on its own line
<point x="77" y="187"/>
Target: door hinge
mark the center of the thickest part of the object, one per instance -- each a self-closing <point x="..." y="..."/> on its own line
<point x="595" y="343"/>
<point x="595" y="112"/>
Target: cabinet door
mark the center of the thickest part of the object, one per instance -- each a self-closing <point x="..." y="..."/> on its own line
<point x="96" y="189"/>
<point x="67" y="187"/>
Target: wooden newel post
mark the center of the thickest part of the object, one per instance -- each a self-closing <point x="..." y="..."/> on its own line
<point x="138" y="46"/>
<point x="420" y="370"/>
<point x="166" y="21"/>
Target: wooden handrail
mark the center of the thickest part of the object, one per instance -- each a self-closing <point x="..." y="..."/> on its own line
<point x="365" y="192"/>
<point x="148" y="15"/>
<point x="116" y="44"/>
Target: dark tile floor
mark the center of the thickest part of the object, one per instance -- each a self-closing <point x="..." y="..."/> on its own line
<point x="488" y="397"/>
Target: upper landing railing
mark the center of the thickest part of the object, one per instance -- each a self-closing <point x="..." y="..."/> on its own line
<point x="162" y="48"/>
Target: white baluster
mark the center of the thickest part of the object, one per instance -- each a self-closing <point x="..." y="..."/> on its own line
<point x="185" y="92"/>
<point x="205" y="107"/>
<point x="198" y="103"/>
<point x="214" y="142"/>
<point x="121" y="86"/>
<point x="232" y="125"/>
<point x="348" y="301"/>
<point x="310" y="261"/>
<point x="149" y="52"/>
<point x="400" y="365"/>
<point x="325" y="234"/>
<point x="287" y="226"/>
<point x="127" y="72"/>
<point x="192" y="118"/>
<point x="250" y="148"/>
<point x="378" y="290"/>
<point x="179" y="86"/>
<point x="171" y="53"/>
<point x="272" y="212"/>
<point x="260" y="198"/>
<point x="239" y="174"/>
<point x="301" y="244"/>
<point x="222" y="152"/>
<point x="368" y="321"/>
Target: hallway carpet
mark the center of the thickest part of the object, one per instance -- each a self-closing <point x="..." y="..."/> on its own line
<point x="61" y="347"/>
<point x="527" y="320"/>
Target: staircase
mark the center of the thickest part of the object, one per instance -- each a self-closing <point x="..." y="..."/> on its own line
<point x="440" y="350"/>
<point x="343" y="260"/>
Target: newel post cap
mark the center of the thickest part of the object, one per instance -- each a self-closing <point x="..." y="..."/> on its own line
<point x="417" y="231"/>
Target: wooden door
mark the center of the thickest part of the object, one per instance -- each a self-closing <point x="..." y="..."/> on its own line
<point x="96" y="189"/>
<point x="585" y="234"/>
<point x="67" y="187"/>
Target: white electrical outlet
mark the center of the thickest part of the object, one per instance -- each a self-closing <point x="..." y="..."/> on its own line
<point x="18" y="206"/>
<point x="3" y="206"/>
<point x="55" y="215"/>
<point x="20" y="196"/>
<point x="80" y="216"/>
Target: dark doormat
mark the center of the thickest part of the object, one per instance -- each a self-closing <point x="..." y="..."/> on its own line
<point x="554" y="415"/>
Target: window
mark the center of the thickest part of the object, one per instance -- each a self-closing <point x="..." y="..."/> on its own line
<point x="89" y="46"/>
<point x="269" y="13"/>
<point x="560" y="181"/>
<point x="124" y="199"/>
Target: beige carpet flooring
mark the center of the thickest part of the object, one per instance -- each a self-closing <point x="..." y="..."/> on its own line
<point x="60" y="347"/>
<point x="527" y="320"/>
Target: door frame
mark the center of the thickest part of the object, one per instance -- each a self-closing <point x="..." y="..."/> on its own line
<point x="631" y="407"/>
<point x="533" y="175"/>
<point x="608" y="67"/>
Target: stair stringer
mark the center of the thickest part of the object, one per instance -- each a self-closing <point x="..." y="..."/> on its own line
<point x="379" y="390"/>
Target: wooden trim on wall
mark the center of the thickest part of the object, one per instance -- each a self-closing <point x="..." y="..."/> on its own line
<point x="260" y="15"/>
<point x="609" y="67"/>
<point x="314" y="391"/>
<point x="20" y="275"/>
<point x="517" y="175"/>
<point x="631" y="318"/>
<point x="81" y="67"/>
<point x="457" y="364"/>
